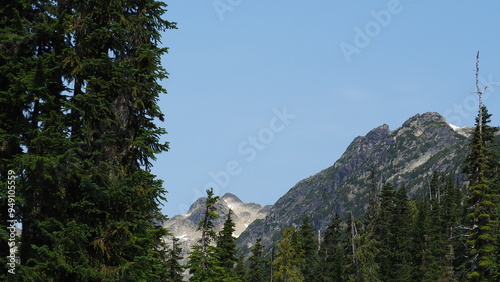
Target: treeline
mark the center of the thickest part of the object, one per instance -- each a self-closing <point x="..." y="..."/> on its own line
<point x="451" y="234"/>
<point x="399" y="240"/>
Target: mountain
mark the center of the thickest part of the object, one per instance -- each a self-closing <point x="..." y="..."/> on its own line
<point x="424" y="144"/>
<point x="184" y="226"/>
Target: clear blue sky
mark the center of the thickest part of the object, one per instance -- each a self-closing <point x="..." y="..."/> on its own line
<point x="263" y="94"/>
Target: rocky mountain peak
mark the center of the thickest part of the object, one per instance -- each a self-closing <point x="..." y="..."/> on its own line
<point x="378" y="133"/>
<point x="231" y="198"/>
<point x="409" y="155"/>
<point x="424" y="120"/>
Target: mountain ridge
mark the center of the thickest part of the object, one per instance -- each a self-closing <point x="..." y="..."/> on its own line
<point x="409" y="155"/>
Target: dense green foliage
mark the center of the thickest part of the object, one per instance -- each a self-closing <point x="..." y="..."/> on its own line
<point x="78" y="98"/>
<point x="482" y="202"/>
<point x="257" y="268"/>
<point x="174" y="269"/>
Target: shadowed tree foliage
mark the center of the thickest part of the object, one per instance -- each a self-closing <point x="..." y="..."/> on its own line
<point x="226" y="251"/>
<point x="332" y="252"/>
<point x="79" y="90"/>
<point x="174" y="268"/>
<point x="482" y="200"/>
<point x="256" y="270"/>
<point x="288" y="260"/>
<point x="308" y="249"/>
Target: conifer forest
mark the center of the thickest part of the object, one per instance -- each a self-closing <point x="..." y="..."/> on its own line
<point x="79" y="91"/>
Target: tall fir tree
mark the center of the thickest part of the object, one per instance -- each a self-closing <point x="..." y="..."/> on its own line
<point x="202" y="261"/>
<point x="225" y="251"/>
<point x="174" y="268"/>
<point x="308" y="249"/>
<point x="482" y="200"/>
<point x="393" y="235"/>
<point x="81" y="78"/>
<point x="256" y="269"/>
<point x="366" y="243"/>
<point x="332" y="252"/>
<point x="286" y="265"/>
<point x="239" y="269"/>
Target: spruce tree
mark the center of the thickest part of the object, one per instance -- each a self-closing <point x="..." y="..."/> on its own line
<point x="308" y="249"/>
<point x="239" y="269"/>
<point x="225" y="251"/>
<point x="332" y="252"/>
<point x="174" y="268"/>
<point x="287" y="263"/>
<point x="257" y="265"/>
<point x="393" y="235"/>
<point x="482" y="200"/>
<point x="403" y="249"/>
<point x="202" y="261"/>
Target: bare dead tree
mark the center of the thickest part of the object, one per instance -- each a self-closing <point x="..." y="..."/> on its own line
<point x="480" y="93"/>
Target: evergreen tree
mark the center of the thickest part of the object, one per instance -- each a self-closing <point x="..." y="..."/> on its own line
<point x="79" y="86"/>
<point x="257" y="266"/>
<point x="288" y="259"/>
<point x="393" y="235"/>
<point x="239" y="269"/>
<point x="365" y="255"/>
<point x="332" y="252"/>
<point x="384" y="231"/>
<point x="202" y="261"/>
<point x="429" y="245"/>
<point x="308" y="249"/>
<point x="174" y="268"/>
<point x="482" y="201"/>
<point x="226" y="251"/>
<point x="373" y="204"/>
<point x="403" y="249"/>
<point x="16" y="49"/>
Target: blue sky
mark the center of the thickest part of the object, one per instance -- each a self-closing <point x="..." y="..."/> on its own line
<point x="262" y="94"/>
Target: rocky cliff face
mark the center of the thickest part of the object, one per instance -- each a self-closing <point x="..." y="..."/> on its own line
<point x="184" y="226"/>
<point x="409" y="155"/>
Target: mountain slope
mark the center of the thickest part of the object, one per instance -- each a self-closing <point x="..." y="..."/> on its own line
<point x="408" y="155"/>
